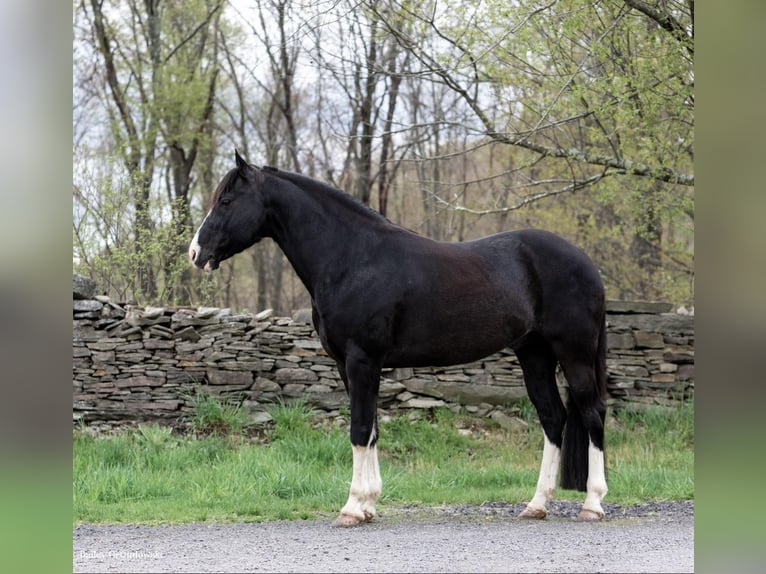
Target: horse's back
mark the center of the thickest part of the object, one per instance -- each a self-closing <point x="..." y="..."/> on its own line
<point x="560" y="282"/>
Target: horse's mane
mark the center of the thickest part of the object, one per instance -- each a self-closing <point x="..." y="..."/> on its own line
<point x="315" y="187"/>
<point x="322" y="189"/>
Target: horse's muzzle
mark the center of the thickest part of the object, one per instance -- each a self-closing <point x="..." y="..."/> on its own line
<point x="210" y="265"/>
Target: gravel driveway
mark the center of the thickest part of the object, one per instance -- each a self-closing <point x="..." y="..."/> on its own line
<point x="648" y="538"/>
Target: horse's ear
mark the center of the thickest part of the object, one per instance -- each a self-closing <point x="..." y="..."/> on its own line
<point x="241" y="163"/>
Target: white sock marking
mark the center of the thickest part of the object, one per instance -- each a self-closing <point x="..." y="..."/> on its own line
<point x="366" y="483"/>
<point x="549" y="470"/>
<point x="596" y="486"/>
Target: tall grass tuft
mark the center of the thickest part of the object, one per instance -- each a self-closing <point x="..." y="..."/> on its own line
<point x="212" y="415"/>
<point x="294" y="440"/>
<point x="291" y="418"/>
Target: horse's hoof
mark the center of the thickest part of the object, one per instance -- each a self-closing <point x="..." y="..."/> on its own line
<point x="346" y="520"/>
<point x="589" y="516"/>
<point x="534" y="513"/>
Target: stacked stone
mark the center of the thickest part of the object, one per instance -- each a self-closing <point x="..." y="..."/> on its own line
<point x="650" y="358"/>
<point x="494" y="381"/>
<point x="136" y="363"/>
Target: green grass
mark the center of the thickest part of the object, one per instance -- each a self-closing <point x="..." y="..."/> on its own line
<point x="651" y="456"/>
<point x="151" y="475"/>
<point x="211" y="415"/>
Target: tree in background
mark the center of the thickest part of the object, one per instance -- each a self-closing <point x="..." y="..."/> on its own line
<point x="154" y="71"/>
<point x="457" y="119"/>
<point x="359" y="69"/>
<point x="589" y="95"/>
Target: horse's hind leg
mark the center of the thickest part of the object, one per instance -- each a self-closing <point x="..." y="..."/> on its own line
<point x="584" y="462"/>
<point x="363" y="381"/>
<point x="539" y="366"/>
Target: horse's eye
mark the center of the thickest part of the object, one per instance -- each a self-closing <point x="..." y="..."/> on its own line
<point x="225" y="200"/>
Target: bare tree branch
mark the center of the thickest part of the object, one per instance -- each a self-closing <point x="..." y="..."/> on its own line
<point x="524" y="140"/>
<point x="667" y="22"/>
<point x="529" y="199"/>
<point x="202" y="26"/>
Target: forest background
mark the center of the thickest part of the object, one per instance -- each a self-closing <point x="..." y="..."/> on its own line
<point x="455" y="119"/>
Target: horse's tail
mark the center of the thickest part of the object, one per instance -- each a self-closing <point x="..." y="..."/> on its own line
<point x="574" y="454"/>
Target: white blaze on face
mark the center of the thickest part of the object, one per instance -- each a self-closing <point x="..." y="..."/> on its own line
<point x="194" y="248"/>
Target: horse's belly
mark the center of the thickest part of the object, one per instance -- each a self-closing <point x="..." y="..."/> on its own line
<point x="463" y="342"/>
<point x="437" y="357"/>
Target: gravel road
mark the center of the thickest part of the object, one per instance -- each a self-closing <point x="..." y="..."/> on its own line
<point x="648" y="538"/>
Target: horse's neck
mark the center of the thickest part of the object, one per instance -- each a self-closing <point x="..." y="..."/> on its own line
<point x="309" y="231"/>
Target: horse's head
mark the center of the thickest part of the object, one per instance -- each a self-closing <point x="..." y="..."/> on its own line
<point x="235" y="219"/>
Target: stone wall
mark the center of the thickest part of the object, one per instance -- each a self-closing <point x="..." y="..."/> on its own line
<point x="140" y="363"/>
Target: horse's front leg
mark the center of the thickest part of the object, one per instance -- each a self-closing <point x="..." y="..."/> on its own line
<point x="363" y="382"/>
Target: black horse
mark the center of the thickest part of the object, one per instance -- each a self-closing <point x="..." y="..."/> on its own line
<point x="384" y="296"/>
